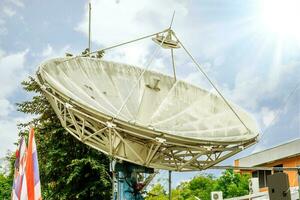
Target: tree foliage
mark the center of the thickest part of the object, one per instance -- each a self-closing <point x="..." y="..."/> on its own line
<point x="5" y="186"/>
<point x="68" y="168"/>
<point x="157" y="193"/>
<point x="230" y="183"/>
<point x="6" y="180"/>
<point x="233" y="184"/>
<point x="200" y="186"/>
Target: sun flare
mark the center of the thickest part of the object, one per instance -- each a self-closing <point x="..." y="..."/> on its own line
<point x="281" y="17"/>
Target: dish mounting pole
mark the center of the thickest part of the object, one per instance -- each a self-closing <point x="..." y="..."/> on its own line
<point x="127" y="183"/>
<point x="173" y="64"/>
<point x="170" y="184"/>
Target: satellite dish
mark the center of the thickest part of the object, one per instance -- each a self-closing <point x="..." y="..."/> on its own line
<point x="142" y="116"/>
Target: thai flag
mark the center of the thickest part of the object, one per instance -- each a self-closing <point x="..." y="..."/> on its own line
<point x="32" y="189"/>
<point x="19" y="173"/>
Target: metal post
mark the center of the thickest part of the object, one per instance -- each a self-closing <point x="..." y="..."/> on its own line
<point x="90" y="8"/>
<point x="298" y="181"/>
<point x="172" y="20"/>
<point x="170" y="184"/>
<point x="113" y="172"/>
<point x="173" y="64"/>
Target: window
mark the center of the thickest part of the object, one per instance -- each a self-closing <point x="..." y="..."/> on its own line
<point x="254" y="174"/>
<point x="276" y="171"/>
<point x="262" y="176"/>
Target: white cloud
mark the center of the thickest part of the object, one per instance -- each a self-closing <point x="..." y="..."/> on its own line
<point x="251" y="87"/>
<point x="12" y="72"/>
<point x="2" y="53"/>
<point x="129" y="19"/>
<point x="9" y="7"/>
<point x="49" y="52"/>
<point x="2" y="22"/>
<point x="246" y="90"/>
<point x="3" y="29"/>
<point x="9" y="133"/>
<point x="268" y="116"/>
<point x="6" y="107"/>
<point x="126" y="20"/>
<point x="8" y="11"/>
<point x="197" y="78"/>
<point x="18" y="3"/>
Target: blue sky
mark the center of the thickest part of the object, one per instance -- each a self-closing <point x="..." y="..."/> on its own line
<point x="251" y="50"/>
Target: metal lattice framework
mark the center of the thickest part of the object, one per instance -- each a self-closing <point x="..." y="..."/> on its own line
<point x="151" y="149"/>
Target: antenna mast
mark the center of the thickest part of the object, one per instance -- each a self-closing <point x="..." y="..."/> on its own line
<point x="90" y="8"/>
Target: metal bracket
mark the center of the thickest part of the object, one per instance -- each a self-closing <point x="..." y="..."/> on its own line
<point x="110" y="125"/>
<point x="68" y="105"/>
<point x="160" y="140"/>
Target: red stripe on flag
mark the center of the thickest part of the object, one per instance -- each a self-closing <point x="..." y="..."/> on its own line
<point x="30" y="167"/>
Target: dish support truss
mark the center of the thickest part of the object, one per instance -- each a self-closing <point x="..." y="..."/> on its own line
<point x="135" y="144"/>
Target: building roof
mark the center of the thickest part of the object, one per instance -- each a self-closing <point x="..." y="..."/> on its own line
<point x="286" y="150"/>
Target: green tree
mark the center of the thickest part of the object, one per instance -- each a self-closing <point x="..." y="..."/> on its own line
<point x="5" y="186"/>
<point x="233" y="184"/>
<point x="200" y="186"/>
<point x="6" y="180"/>
<point x="68" y="168"/>
<point x="157" y="192"/>
<point x="176" y="194"/>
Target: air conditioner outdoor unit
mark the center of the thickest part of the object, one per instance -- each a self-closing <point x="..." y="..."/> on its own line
<point x="216" y="195"/>
<point x="253" y="186"/>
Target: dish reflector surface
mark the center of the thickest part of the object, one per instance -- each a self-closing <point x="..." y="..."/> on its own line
<point x="154" y="105"/>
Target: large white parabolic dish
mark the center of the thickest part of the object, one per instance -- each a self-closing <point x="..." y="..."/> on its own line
<point x="157" y="121"/>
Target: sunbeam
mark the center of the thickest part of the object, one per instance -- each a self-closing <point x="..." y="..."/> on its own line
<point x="281" y="17"/>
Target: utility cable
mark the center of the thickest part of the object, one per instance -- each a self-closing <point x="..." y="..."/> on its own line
<point x="293" y="91"/>
<point x="214" y="86"/>
<point x="139" y="79"/>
